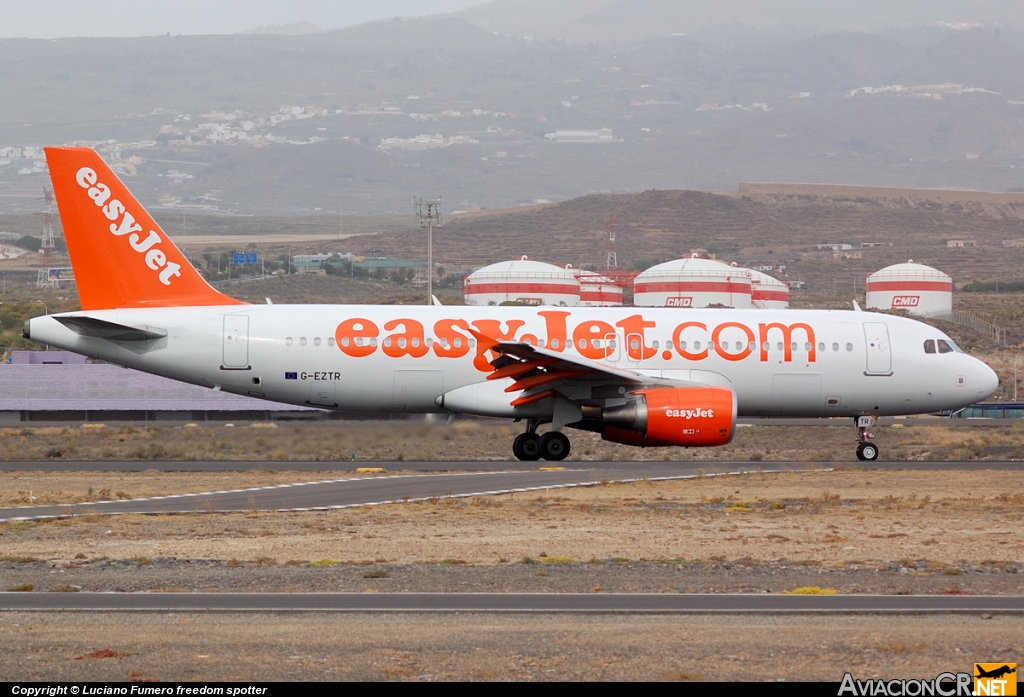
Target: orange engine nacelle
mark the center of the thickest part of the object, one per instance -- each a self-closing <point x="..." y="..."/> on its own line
<point x="686" y="416"/>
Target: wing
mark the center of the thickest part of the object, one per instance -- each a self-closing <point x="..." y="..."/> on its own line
<point x="539" y="373"/>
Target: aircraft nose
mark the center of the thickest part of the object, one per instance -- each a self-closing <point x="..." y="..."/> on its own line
<point x="988" y="381"/>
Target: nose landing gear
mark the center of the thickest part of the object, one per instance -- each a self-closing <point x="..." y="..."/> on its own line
<point x="529" y="446"/>
<point x="865" y="449"/>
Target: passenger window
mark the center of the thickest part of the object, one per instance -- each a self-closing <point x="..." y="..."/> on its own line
<point x="696" y="345"/>
<point x="302" y="341"/>
<point x="835" y="346"/>
<point x="682" y="345"/>
<point x="779" y="347"/>
<point x="849" y="347"/>
<point x="821" y="345"/>
<point x="807" y="346"/>
<point x="288" y="341"/>
<point x="929" y="346"/>
<point x="944" y="347"/>
<point x="752" y="346"/>
<point x="583" y="343"/>
<point x="330" y="341"/>
<point x="316" y="341"/>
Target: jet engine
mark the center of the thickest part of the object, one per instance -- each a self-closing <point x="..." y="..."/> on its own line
<point x="686" y="416"/>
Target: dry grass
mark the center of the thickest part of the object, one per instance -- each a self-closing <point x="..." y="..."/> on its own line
<point x="464" y="440"/>
<point x="938" y="519"/>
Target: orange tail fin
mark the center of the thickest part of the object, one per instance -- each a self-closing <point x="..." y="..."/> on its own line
<point x="120" y="255"/>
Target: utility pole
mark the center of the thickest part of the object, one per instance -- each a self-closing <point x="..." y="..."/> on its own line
<point x="612" y="261"/>
<point x="428" y="212"/>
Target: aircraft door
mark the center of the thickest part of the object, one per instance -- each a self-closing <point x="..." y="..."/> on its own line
<point x="632" y="347"/>
<point x="611" y="348"/>
<point x="879" y="355"/>
<point x="236" y="342"/>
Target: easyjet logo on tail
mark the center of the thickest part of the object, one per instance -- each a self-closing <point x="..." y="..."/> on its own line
<point x="124" y="224"/>
<point x="905" y="301"/>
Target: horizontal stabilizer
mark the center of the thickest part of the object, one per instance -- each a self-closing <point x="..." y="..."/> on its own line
<point x="111" y="331"/>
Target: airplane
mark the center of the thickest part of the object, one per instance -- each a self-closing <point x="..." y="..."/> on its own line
<point x="995" y="673"/>
<point x="641" y="376"/>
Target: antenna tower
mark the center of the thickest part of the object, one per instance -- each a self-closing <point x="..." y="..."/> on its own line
<point x="428" y="212"/>
<point x="47" y="250"/>
<point x="612" y="261"/>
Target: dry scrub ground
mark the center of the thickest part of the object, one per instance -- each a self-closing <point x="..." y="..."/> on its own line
<point x="927" y="521"/>
<point x="850" y="530"/>
<point x="305" y="647"/>
<point x="909" y="439"/>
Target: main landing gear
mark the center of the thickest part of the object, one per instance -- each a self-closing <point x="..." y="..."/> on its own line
<point x="865" y="449"/>
<point x="553" y="445"/>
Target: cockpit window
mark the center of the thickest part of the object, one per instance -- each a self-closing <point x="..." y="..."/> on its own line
<point x="929" y="346"/>
<point x="944" y="346"/>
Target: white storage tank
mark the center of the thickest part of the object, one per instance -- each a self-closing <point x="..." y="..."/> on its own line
<point x="692" y="282"/>
<point x="597" y="290"/>
<point x="767" y="293"/>
<point x="916" y="288"/>
<point x="523" y="281"/>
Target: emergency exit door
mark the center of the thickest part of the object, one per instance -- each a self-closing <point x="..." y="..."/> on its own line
<point x="879" y="355"/>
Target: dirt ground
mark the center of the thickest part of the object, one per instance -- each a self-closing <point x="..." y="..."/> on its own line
<point x="923" y="438"/>
<point x="307" y="647"/>
<point x="841" y="518"/>
<point x="847" y="530"/>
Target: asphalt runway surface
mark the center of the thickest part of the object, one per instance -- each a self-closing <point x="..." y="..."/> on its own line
<point x="648" y="603"/>
<point x="377" y="490"/>
<point x="380" y="490"/>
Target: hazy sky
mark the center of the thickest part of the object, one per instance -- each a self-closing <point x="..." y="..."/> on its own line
<point x="49" y="19"/>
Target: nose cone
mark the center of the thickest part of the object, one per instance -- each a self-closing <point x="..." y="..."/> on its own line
<point x="987" y="381"/>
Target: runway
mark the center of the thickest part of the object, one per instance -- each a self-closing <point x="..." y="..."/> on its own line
<point x="386" y="489"/>
<point x="642" y="603"/>
<point x="374" y="490"/>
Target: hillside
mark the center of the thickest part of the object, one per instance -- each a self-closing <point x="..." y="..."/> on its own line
<point x="654" y="226"/>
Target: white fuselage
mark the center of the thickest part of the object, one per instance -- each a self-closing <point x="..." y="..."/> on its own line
<point x="404" y="358"/>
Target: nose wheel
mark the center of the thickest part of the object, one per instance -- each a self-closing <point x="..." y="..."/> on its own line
<point x="865" y="449"/>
